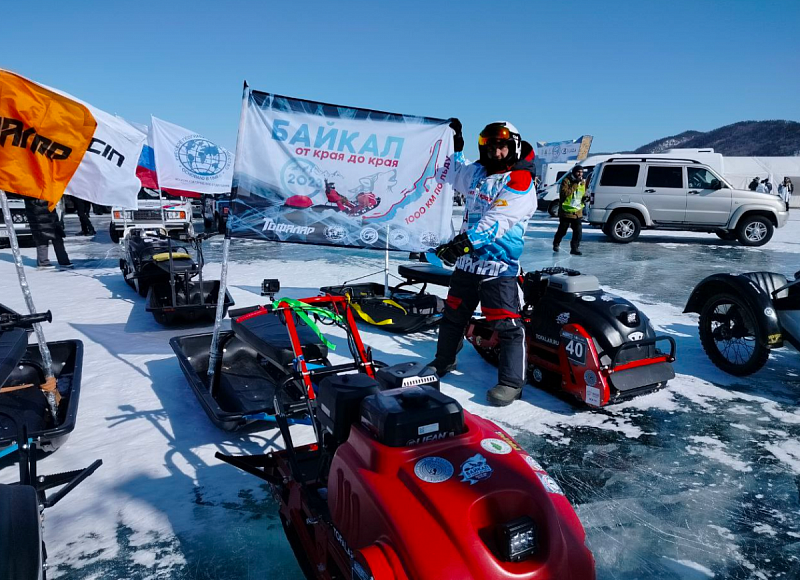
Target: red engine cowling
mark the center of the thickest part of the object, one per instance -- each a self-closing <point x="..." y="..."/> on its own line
<point x="434" y="511"/>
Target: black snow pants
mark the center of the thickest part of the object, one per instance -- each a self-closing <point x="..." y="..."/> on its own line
<point x="499" y="299"/>
<point x="82" y="209"/>
<point x="577" y="232"/>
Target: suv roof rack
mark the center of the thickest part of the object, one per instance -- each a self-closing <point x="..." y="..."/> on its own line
<point x="645" y="158"/>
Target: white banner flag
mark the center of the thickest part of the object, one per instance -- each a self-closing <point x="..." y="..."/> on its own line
<point x="315" y="173"/>
<point x="188" y="161"/>
<point x="107" y="173"/>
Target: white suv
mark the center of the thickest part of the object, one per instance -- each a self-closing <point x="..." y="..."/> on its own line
<point x="630" y="193"/>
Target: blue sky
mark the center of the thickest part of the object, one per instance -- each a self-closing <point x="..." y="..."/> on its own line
<point x="625" y="72"/>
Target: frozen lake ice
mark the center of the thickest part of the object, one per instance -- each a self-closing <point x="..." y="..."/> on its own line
<point x="700" y="480"/>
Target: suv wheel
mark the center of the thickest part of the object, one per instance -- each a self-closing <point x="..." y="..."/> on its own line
<point x="754" y="230"/>
<point x="552" y="209"/>
<point x="623" y="228"/>
<point x="114" y="233"/>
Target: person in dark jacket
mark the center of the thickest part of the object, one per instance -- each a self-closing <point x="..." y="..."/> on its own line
<point x="82" y="209"/>
<point x="572" y="195"/>
<point x="45" y="228"/>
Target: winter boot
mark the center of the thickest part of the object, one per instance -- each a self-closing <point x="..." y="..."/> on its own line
<point x="555" y="248"/>
<point x="441" y="368"/>
<point x="576" y="252"/>
<point x="501" y="395"/>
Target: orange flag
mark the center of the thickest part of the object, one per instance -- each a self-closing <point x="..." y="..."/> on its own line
<point x="43" y="137"/>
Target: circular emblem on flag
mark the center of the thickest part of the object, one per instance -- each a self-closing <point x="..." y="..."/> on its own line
<point x="369" y="235"/>
<point x="301" y="177"/>
<point x="433" y="469"/>
<point x="398" y="238"/>
<point x="202" y="157"/>
<point x="335" y="233"/>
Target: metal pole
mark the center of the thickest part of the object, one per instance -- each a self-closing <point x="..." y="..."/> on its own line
<point x="214" y="354"/>
<point x="169" y="248"/>
<point x="386" y="265"/>
<point x="47" y="359"/>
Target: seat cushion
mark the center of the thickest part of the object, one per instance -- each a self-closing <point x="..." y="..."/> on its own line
<point x="269" y="336"/>
<point x="425" y="273"/>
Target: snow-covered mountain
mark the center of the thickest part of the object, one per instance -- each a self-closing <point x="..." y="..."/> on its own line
<point x="746" y="138"/>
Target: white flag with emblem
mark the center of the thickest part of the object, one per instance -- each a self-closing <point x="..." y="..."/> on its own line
<point x="188" y="161"/>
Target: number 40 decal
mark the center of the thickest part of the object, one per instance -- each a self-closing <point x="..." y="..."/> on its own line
<point x="575" y="346"/>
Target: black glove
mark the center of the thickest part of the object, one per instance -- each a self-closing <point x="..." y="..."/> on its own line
<point x="454" y="249"/>
<point x="458" y="138"/>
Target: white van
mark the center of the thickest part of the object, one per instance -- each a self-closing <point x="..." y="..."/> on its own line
<point x="153" y="210"/>
<point x="552" y="173"/>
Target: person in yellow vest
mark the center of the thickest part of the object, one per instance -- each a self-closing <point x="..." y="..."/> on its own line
<point x="572" y="195"/>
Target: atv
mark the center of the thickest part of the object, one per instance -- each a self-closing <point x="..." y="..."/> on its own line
<point x="400" y="482"/>
<point x="591" y="345"/>
<point x="744" y="316"/>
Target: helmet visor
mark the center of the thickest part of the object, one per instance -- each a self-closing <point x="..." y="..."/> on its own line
<point x="494" y="132"/>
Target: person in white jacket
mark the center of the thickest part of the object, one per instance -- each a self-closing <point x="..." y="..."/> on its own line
<point x="500" y="199"/>
<point x="785" y="191"/>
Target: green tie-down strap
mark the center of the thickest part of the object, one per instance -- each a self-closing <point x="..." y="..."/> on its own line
<point x="302" y="310"/>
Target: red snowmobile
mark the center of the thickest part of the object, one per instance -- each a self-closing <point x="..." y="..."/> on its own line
<point x="401" y="482"/>
<point x="595" y="346"/>
<point x="365" y="201"/>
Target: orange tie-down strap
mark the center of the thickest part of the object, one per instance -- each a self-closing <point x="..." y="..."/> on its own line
<point x="48" y="386"/>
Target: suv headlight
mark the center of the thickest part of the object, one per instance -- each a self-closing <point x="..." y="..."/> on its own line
<point x="123" y="215"/>
<point x="176" y="215"/>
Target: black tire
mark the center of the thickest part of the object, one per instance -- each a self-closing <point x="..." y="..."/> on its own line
<point x="728" y="236"/>
<point x="141" y="287"/>
<point x="20" y="533"/>
<point x="623" y="228"/>
<point x="552" y="209"/>
<point x="728" y="333"/>
<point x="221" y="224"/>
<point x="754" y="230"/>
<point x="112" y="231"/>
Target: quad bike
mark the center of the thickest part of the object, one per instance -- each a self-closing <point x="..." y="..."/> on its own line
<point x="23" y="393"/>
<point x="744" y="316"/>
<point x="400" y="482"/>
<point x="592" y="345"/>
<point x="164" y="273"/>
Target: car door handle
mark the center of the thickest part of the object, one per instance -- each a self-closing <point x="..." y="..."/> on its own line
<point x="693" y="192"/>
<point x="649" y="190"/>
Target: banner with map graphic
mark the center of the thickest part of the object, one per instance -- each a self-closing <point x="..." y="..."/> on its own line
<point x="187" y="161"/>
<point x="315" y="173"/>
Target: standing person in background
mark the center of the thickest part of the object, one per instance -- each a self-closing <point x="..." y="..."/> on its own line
<point x="761" y="187"/>
<point x="572" y="195"/>
<point x="785" y="190"/>
<point x="754" y="184"/>
<point x="767" y="185"/>
<point x="46" y="227"/>
<point x="82" y="208"/>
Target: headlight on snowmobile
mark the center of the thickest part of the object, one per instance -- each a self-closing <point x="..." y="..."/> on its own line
<point x="517" y="539"/>
<point x="176" y="215"/>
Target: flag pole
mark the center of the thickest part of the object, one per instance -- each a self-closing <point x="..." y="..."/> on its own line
<point x="47" y="359"/>
<point x="214" y="354"/>
<point x="386" y="264"/>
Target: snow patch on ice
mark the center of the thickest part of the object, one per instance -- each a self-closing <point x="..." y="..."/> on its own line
<point x="714" y="449"/>
<point x="787" y="452"/>
<point x="687" y="569"/>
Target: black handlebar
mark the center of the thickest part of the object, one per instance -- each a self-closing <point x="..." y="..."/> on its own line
<point x="11" y="320"/>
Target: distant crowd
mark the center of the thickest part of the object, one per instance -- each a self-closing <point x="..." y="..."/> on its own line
<point x="785" y="189"/>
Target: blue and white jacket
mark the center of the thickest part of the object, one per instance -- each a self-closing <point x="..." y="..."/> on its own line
<point x="496" y="214"/>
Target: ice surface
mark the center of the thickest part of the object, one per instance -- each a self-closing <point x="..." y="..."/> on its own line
<point x="699" y="480"/>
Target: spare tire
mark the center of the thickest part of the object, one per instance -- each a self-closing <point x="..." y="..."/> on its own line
<point x="20" y="533"/>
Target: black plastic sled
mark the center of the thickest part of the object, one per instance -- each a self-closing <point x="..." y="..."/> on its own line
<point x="403" y="309"/>
<point x="257" y="356"/>
<point x="165" y="272"/>
<point x="21" y="376"/>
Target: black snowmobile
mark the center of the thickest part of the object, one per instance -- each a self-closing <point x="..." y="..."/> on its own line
<point x="22" y="380"/>
<point x="163" y="270"/>
<point x="744" y="316"/>
<point x="22" y="550"/>
<point x="402" y="309"/>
